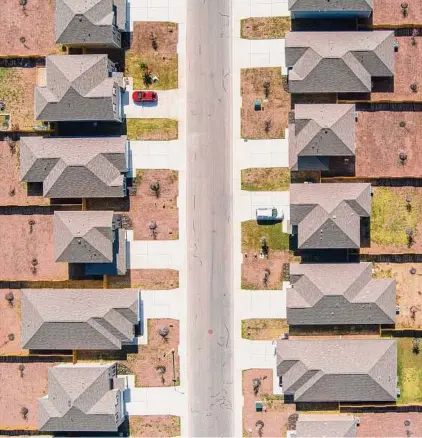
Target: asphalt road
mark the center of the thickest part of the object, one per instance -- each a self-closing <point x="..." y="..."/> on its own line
<point x="209" y="218"/>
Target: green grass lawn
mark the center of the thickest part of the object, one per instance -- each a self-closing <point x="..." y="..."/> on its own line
<point x="152" y="129"/>
<point x="252" y="233"/>
<point x="265" y="27"/>
<point x="164" y="67"/>
<point x="390" y="217"/>
<point x="409" y="368"/>
<point x="275" y="178"/>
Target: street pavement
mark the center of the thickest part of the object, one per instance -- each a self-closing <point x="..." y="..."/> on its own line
<point x="209" y="218"/>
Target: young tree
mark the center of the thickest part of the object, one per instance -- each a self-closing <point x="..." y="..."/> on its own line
<point x="155" y="188"/>
<point x="256" y="384"/>
<point x="259" y="427"/>
<point x="24" y="412"/>
<point x="161" y="370"/>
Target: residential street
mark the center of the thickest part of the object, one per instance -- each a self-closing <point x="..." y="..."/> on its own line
<point x="209" y="218"/>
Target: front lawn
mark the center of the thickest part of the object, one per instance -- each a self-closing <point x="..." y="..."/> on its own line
<point x="252" y="234"/>
<point x="152" y="129"/>
<point x="259" y="28"/>
<point x="267" y="179"/>
<point x="409" y="369"/>
<point x="264" y="329"/>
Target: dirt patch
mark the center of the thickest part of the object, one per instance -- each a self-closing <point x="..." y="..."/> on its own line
<point x="152" y="129"/>
<point x="391" y="424"/>
<point x="35" y="23"/>
<point x="388" y="134"/>
<point x="12" y="191"/>
<point x="408" y="291"/>
<point x="267" y="179"/>
<point x="275" y="413"/>
<point x="22" y="389"/>
<point x="17" y="93"/>
<point x="407" y="72"/>
<point x="10" y="316"/>
<point x="259" y="28"/>
<point x="159" y="206"/>
<point x="147" y="279"/>
<point x="27" y="249"/>
<point x="154" y="426"/>
<point x="270" y="87"/>
<point x="389" y="12"/>
<point x="264" y="329"/>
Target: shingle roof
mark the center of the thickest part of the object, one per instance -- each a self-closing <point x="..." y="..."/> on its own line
<point x="333" y="5"/>
<point x="328" y="215"/>
<point x="72" y="319"/>
<point x="326" y="425"/>
<point x="89" y="167"/>
<point x="342" y="293"/>
<point x="338" y="62"/>
<point x="338" y="370"/>
<point x="323" y="130"/>
<point x="83" y="236"/>
<point x="78" y="88"/>
<point x="81" y="399"/>
<point x="88" y="21"/>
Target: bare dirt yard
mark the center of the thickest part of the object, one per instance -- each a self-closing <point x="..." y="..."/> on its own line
<point x="34" y="22"/>
<point x="147" y="279"/>
<point x="21" y="388"/>
<point x="12" y="191"/>
<point x="408" y="291"/>
<point x="154" y="426"/>
<point x="259" y="28"/>
<point x="27" y="249"/>
<point x="390" y="12"/>
<point x="391" y="424"/>
<point x="264" y="329"/>
<point x="381" y="137"/>
<point x="269" y="87"/>
<point x="407" y="72"/>
<point x="10" y="317"/>
<point x="275" y="414"/>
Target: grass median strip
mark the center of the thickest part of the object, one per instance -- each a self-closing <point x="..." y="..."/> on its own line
<point x="152" y="129"/>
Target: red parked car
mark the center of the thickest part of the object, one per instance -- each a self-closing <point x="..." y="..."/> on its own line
<point x="144" y="96"/>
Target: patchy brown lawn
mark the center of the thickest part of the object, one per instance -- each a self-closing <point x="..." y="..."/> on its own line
<point x="264" y="329"/>
<point x="10" y="317"/>
<point x="154" y="426"/>
<point x="166" y="35"/>
<point x="408" y="59"/>
<point x="26" y="254"/>
<point x="12" y="191"/>
<point x="391" y="424"/>
<point x="275" y="413"/>
<point x="147" y="279"/>
<point x="18" y="392"/>
<point x="389" y="12"/>
<point x="408" y="291"/>
<point x="35" y="23"/>
<point x="381" y="137"/>
<point x="152" y="129"/>
<point x="272" y="120"/>
<point x="271" y="178"/>
<point x="259" y="28"/>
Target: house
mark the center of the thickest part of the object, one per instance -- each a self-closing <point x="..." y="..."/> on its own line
<point x="329" y="216"/>
<point x="84" y="397"/>
<point x="79" y="88"/>
<point x="92" y="238"/>
<point x="338" y="62"/>
<point x="326" y="425"/>
<point x="315" y="9"/>
<point x="78" y="319"/>
<point x="337" y="294"/>
<point x="337" y="370"/>
<point x="90" y="23"/>
<point x="75" y="167"/>
<point x="322" y="136"/>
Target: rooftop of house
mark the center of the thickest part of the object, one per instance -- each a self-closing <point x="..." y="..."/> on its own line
<point x="332" y="5"/>
<point x="76" y="167"/>
<point x="81" y="399"/>
<point x="322" y="370"/>
<point x="320" y="130"/>
<point x="326" y="425"/>
<point x="338" y="62"/>
<point x="78" y="319"/>
<point x="341" y="293"/>
<point x="78" y="88"/>
<point x="328" y="215"/>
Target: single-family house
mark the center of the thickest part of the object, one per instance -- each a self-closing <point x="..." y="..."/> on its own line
<point x="326" y="425"/>
<point x="315" y="9"/>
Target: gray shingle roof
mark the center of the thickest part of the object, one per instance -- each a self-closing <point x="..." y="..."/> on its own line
<point x="323" y="130"/>
<point x="81" y="399"/>
<point x="333" y="5"/>
<point x="328" y="215"/>
<point x="326" y="425"/>
<point x="78" y="88"/>
<point x="88" y="21"/>
<point x="89" y="167"/>
<point x="338" y="370"/>
<point x="338" y="62"/>
<point x="72" y="319"/>
<point x="83" y="236"/>
<point x="342" y="293"/>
